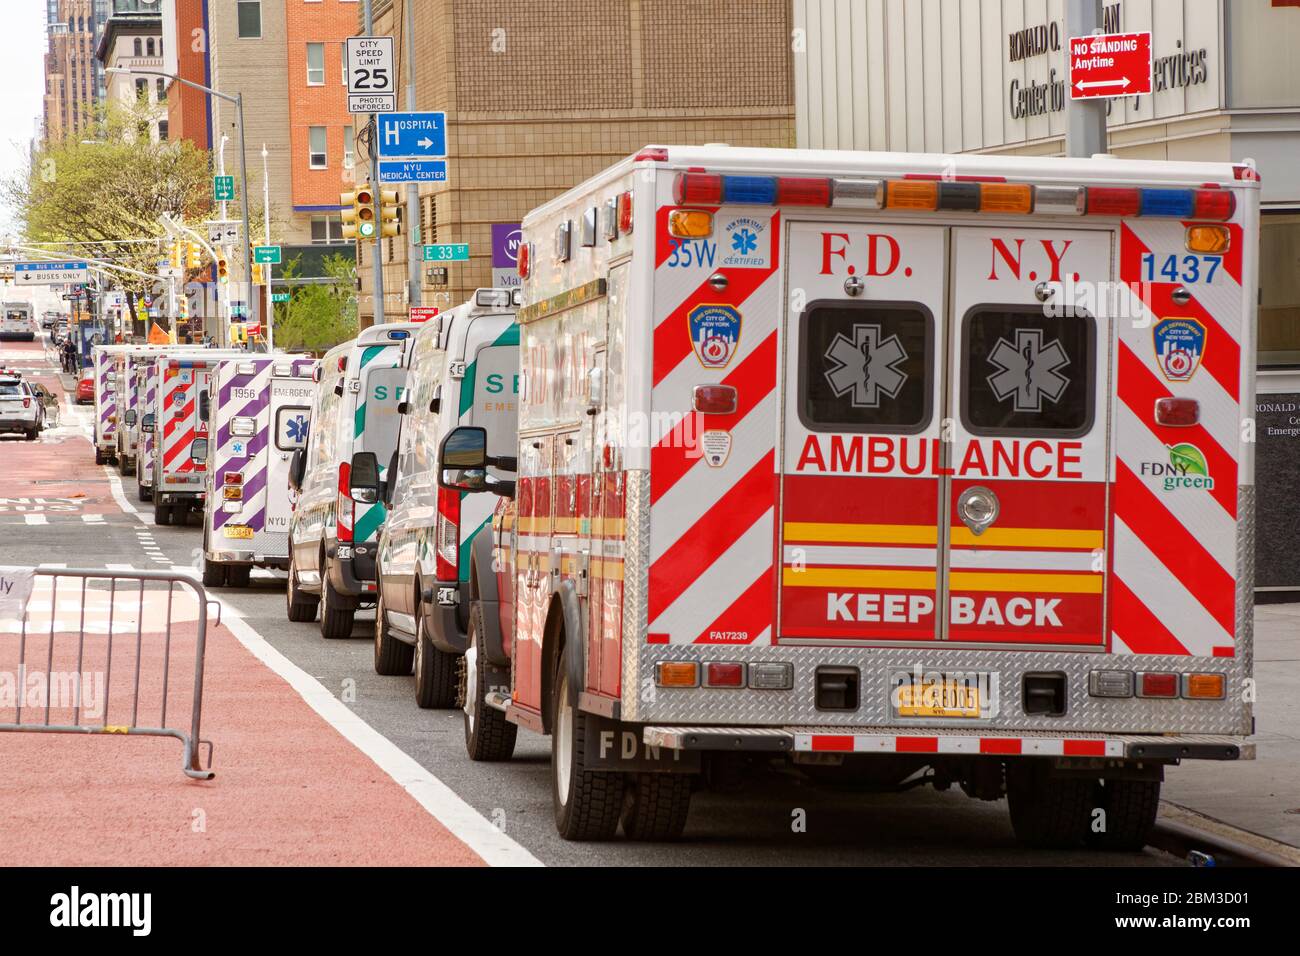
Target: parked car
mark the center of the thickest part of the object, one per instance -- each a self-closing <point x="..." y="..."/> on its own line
<point x="20" y="409"/>
<point x="86" y="387"/>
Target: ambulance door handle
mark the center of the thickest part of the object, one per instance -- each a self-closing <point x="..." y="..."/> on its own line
<point x="978" y="508"/>
<point x="1043" y="292"/>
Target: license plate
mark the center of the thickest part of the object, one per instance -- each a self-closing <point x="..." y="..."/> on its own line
<point x="238" y="531"/>
<point x="962" y="695"/>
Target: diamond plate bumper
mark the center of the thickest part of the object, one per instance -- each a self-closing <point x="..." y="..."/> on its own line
<point x="948" y="741"/>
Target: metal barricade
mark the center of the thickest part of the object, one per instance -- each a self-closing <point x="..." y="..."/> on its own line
<point x="82" y="604"/>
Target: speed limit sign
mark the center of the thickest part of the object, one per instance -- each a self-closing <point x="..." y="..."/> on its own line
<point x="371" y="78"/>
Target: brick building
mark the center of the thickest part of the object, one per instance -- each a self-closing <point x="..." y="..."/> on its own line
<point x="74" y="78"/>
<point x="539" y="101"/>
<point x="185" y="54"/>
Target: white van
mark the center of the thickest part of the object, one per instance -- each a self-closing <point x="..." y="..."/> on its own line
<point x="332" y="533"/>
<point x="464" y="371"/>
<point x="260" y="410"/>
<point x="17" y="323"/>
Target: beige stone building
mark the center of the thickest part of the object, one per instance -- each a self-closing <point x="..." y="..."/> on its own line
<point x="540" y="96"/>
<point x="74" y="78"/>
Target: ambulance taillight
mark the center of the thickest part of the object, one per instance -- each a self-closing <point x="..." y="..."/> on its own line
<point x="343" y="512"/>
<point x="447" y="536"/>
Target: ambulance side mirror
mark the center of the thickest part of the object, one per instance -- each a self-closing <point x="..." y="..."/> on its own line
<point x="463" y="459"/>
<point x="147" y="425"/>
<point x="363" y="481"/>
<point x="131" y="416"/>
<point x="199" y="449"/>
<point x="205" y="406"/>
<point x="297" y="469"/>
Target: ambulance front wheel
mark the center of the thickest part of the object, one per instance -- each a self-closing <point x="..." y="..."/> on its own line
<point x="588" y="803"/>
<point x="393" y="658"/>
<point x="336" y="617"/>
<point x="435" y="671"/>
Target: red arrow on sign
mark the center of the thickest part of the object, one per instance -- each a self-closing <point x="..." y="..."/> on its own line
<point x="1110" y="64"/>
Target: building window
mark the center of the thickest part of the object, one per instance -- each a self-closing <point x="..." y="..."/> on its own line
<point x="250" y="19"/>
<point x="349" y="147"/>
<point x="1279" y="294"/>
<point x="141" y="89"/>
<point x="343" y="58"/>
<point x="149" y="48"/>
<point x="139" y="46"/>
<point x="162" y="131"/>
<point x="318" y="139"/>
<point x="315" y="64"/>
<point x="326" y="229"/>
<point x="162" y="90"/>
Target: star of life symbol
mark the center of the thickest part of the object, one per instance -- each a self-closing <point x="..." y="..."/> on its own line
<point x="296" y="428"/>
<point x="1028" y="370"/>
<point x="865" y="366"/>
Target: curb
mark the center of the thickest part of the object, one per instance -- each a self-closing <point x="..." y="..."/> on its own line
<point x="1212" y="849"/>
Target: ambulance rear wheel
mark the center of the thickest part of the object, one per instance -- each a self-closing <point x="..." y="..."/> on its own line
<point x="162" y="514"/>
<point x="1048" y="812"/>
<point x="300" y="606"/>
<point x="100" y="458"/>
<point x="655" y="806"/>
<point x="144" y="492"/>
<point x="336" y="619"/>
<point x="488" y="735"/>
<point x="1129" y="812"/>
<point x="393" y="658"/>
<point x="238" y="575"/>
<point x="435" y="671"/>
<point x="215" y="575"/>
<point x="588" y="803"/>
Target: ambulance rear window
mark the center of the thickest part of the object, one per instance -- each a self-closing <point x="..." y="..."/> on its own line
<point x="865" y="367"/>
<point x="291" y="427"/>
<point x="1026" y="373"/>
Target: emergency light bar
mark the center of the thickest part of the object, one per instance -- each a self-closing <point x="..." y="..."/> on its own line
<point x="699" y="188"/>
<point x="398" y="334"/>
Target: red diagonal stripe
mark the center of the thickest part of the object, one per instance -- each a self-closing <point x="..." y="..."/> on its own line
<point x="1222" y="355"/>
<point x="665" y="241"/>
<point x="672" y="339"/>
<point x="751" y="613"/>
<point x="753" y="379"/>
<point x="1136" y="626"/>
<point x="174" y="449"/>
<point x="1175" y="546"/>
<point x="1139" y="389"/>
<point x="692" y="554"/>
<point x="170" y="425"/>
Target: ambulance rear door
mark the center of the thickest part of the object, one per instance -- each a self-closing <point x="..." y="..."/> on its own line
<point x="1027" y="498"/>
<point x="860" y="493"/>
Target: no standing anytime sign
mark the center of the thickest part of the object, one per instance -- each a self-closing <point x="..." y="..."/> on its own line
<point x="371" y="78"/>
<point x="1110" y="64"/>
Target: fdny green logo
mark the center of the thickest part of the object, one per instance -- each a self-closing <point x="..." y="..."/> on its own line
<point x="1187" y="468"/>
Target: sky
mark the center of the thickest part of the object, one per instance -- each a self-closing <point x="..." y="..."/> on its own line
<point x="22" y="86"/>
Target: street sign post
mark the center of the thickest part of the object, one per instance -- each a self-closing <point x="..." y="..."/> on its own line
<point x="447" y="252"/>
<point x="372" y="86"/>
<point x="413" y="171"/>
<point x="413" y="136"/>
<point x="1110" y="64"/>
<point x="267" y="255"/>
<point x="223" y="188"/>
<point x="51" y="273"/>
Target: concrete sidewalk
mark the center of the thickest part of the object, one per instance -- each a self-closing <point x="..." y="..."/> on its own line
<point x="1261" y="795"/>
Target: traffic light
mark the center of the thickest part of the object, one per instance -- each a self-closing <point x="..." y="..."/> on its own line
<point x="193" y="255"/>
<point x="389" y="224"/>
<point x="223" y="270"/>
<point x="358" y="212"/>
<point x="176" y="254"/>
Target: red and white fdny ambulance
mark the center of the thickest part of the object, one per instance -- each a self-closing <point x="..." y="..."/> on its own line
<point x="887" y="463"/>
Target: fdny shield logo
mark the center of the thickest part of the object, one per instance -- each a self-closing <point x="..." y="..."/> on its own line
<point x="715" y="333"/>
<point x="1179" y="343"/>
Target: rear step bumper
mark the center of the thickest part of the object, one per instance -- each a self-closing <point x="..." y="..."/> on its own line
<point x="893" y="740"/>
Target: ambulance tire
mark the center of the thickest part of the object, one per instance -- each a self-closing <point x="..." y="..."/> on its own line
<point x="31" y="434"/>
<point x="100" y="459"/>
<point x="393" y="658"/>
<point x="436" y="676"/>
<point x="1130" y="807"/>
<point x="488" y="735"/>
<point x="215" y="575"/>
<point x="162" y="514"/>
<point x="300" y="607"/>
<point x="655" y="806"/>
<point x="238" y="575"/>
<point x="588" y="803"/>
<point x="144" y="492"/>
<point x="1047" y="812"/>
<point x="335" y="621"/>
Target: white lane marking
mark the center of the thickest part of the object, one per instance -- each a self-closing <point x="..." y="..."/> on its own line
<point x="36" y="519"/>
<point x="115" y="485"/>
<point x="93" y="519"/>
<point x="444" y="804"/>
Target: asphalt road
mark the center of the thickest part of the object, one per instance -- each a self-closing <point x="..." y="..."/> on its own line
<point x="752" y="827"/>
